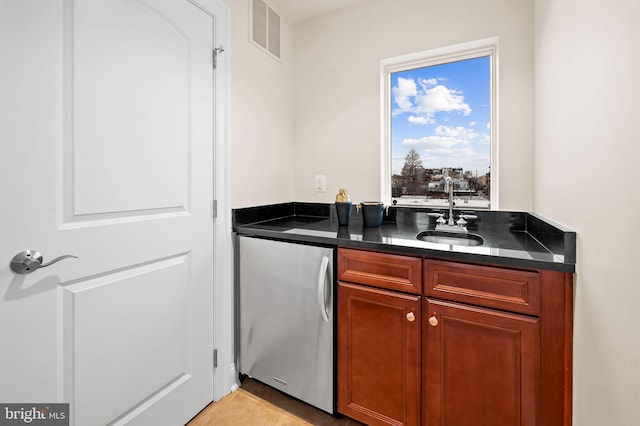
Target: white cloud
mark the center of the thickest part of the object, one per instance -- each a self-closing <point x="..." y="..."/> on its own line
<point x="426" y="83"/>
<point x="445" y="137"/>
<point x="426" y="98"/>
<point x="403" y="92"/>
<point x="449" y="145"/>
<point x="432" y="143"/>
<point x="459" y="132"/>
<point x="437" y="151"/>
<point x="473" y="123"/>
<point x="463" y="152"/>
<point x="416" y="119"/>
<point x="442" y="99"/>
<point x="440" y="147"/>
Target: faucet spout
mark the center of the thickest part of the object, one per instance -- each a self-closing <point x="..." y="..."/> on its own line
<point x="450" y="225"/>
<point x="448" y="187"/>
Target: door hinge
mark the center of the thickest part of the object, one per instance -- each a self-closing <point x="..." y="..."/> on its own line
<point x="215" y="358"/>
<point x="216" y="51"/>
<point x="214" y="209"/>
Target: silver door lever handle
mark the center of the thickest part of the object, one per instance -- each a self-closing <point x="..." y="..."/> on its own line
<point x="28" y="261"/>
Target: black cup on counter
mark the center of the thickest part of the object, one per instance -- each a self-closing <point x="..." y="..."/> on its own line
<point x="372" y="212"/>
<point x="343" y="210"/>
<point x="343" y="207"/>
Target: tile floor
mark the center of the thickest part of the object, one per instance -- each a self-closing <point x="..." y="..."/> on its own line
<point x="294" y="406"/>
<point x="248" y="408"/>
<point x="242" y="408"/>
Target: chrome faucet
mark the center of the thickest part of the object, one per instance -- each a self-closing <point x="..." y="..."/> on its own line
<point x="448" y="187"/>
<point x="450" y="225"/>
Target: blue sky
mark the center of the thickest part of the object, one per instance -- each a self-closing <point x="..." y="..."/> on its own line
<point x="443" y="112"/>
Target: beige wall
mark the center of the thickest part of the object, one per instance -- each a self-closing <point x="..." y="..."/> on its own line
<point x="586" y="177"/>
<point x="261" y="116"/>
<point x="337" y="88"/>
<point x="581" y="138"/>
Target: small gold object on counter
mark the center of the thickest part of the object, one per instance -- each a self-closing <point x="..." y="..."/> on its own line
<point x="342" y="196"/>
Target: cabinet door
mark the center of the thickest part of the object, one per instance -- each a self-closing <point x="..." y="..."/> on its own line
<point x="481" y="367"/>
<point x="378" y="355"/>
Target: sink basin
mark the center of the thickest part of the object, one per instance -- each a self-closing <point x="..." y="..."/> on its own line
<point x="451" y="238"/>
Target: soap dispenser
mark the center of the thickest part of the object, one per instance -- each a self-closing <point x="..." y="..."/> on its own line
<point x="343" y="207"/>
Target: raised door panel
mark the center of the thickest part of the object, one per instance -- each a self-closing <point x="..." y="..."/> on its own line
<point x="127" y="339"/>
<point x="481" y="367"/>
<point x="494" y="287"/>
<point x="390" y="271"/>
<point x="378" y="355"/>
<point x="130" y="102"/>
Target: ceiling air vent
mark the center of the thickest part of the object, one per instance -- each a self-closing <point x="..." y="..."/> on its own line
<point x="265" y="27"/>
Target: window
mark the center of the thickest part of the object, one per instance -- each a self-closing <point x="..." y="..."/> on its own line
<point x="439" y="120"/>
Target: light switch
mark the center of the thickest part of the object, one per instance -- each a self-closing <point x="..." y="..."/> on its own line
<point x="321" y="183"/>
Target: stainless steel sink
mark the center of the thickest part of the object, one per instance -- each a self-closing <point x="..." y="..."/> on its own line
<point x="451" y="238"/>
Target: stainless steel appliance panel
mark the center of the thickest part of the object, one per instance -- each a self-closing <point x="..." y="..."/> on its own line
<point x="286" y="318"/>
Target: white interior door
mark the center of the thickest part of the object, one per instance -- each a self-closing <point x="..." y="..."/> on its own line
<point x="106" y="121"/>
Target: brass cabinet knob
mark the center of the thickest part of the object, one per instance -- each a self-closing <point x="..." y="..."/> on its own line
<point x="433" y="321"/>
<point x="411" y="317"/>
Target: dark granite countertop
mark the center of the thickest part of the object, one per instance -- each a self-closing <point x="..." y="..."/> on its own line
<point x="516" y="239"/>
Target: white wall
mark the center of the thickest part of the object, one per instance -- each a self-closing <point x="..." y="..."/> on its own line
<point x="585" y="146"/>
<point x="261" y="116"/>
<point x="587" y="89"/>
<point x="337" y="88"/>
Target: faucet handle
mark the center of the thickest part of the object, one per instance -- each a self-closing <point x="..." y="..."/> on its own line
<point x="461" y="221"/>
<point x="441" y="220"/>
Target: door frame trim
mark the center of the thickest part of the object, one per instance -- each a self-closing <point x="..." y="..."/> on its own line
<point x="225" y="377"/>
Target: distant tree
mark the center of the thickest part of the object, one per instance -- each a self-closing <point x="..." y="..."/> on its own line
<point x="413" y="171"/>
<point x="473" y="183"/>
<point x="412" y="164"/>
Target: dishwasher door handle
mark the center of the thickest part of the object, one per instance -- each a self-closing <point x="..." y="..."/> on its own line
<point x="322" y="288"/>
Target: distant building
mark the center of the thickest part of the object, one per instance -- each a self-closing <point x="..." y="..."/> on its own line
<point x="429" y="183"/>
<point x="438" y="185"/>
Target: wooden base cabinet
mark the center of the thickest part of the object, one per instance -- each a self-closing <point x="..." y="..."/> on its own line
<point x="459" y="344"/>
<point x="481" y="366"/>
<point x="501" y="350"/>
<point x="379" y="355"/>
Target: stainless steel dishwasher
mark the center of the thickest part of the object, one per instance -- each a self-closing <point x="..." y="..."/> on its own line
<point x="286" y="318"/>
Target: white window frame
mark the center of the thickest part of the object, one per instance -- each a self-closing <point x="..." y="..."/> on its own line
<point x="458" y="52"/>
